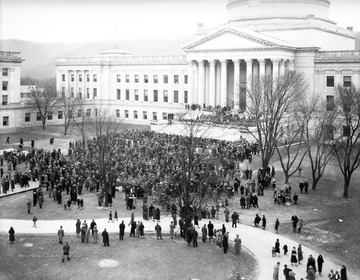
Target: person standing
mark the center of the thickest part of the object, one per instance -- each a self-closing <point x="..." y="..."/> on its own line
<point x="226" y="213"/>
<point x="320" y="261"/>
<point x="171" y="230"/>
<point x="277" y="223"/>
<point x="11" y="235"/>
<point x="293" y="259"/>
<point x="310" y="273"/>
<point x="158" y="231"/>
<point x="34" y="220"/>
<point x="204" y="233"/>
<point x="87" y="235"/>
<point x="92" y="225"/>
<point x="122" y="230"/>
<point x="234" y="218"/>
<point x="343" y="273"/>
<point x="83" y="234"/>
<point x="286" y="272"/>
<point x="78" y="229"/>
<point x="276" y="271"/>
<point x="141" y="230"/>
<point x="300" y="254"/>
<point x="110" y="217"/>
<point x="294" y="220"/>
<point x="96" y="236"/>
<point x="237" y="242"/>
<point x="105" y="237"/>
<point x="225" y="242"/>
<point x="194" y="237"/>
<point x="66" y="252"/>
<point x="301" y="221"/>
<point x="61" y="235"/>
<point x="210" y="230"/>
<point x="263" y="222"/>
<point x="277" y="248"/>
<point x="311" y="262"/>
<point x="28" y="204"/>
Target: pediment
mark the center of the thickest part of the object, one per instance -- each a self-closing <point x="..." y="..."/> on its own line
<point x="229" y="38"/>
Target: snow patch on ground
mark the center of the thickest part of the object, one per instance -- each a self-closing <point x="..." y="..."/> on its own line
<point x="108" y="263"/>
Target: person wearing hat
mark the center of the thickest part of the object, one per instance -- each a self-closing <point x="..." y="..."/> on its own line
<point x="310" y="273"/>
<point x="311" y="262"/>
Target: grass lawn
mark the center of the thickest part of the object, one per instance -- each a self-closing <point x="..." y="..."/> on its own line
<point x="132" y="258"/>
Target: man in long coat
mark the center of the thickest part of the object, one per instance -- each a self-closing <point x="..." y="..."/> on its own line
<point x="237" y="242"/>
<point x="122" y="230"/>
<point x="83" y="233"/>
<point x="61" y="235"/>
<point x="158" y="231"/>
<point x="226" y="213"/>
<point x="204" y="233"/>
<point x="276" y="271"/>
<point x="105" y="237"/>
<point x="225" y="242"/>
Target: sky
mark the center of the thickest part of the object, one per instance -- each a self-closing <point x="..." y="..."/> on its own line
<point x="93" y="20"/>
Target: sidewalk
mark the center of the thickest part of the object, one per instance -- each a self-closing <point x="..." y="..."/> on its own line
<point x="18" y="189"/>
<point x="258" y="241"/>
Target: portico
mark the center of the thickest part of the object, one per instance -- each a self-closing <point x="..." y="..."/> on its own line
<point x="223" y="63"/>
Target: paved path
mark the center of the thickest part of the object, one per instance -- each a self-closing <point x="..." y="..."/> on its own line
<point x="258" y="241"/>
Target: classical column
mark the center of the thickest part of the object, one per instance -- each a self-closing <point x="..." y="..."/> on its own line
<point x="223" y="83"/>
<point x="201" y="80"/>
<point x="196" y="84"/>
<point x="261" y="68"/>
<point x="291" y="65"/>
<point x="218" y="83"/>
<point x="249" y="77"/>
<point x="236" y="84"/>
<point x="212" y="83"/>
<point x="275" y="63"/>
<point x="190" y="82"/>
<point x="282" y="68"/>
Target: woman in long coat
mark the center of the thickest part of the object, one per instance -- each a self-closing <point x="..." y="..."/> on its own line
<point x="96" y="237"/>
<point x="320" y="261"/>
<point x="293" y="259"/>
<point x="300" y="254"/>
<point x="12" y="235"/>
<point x="78" y="224"/>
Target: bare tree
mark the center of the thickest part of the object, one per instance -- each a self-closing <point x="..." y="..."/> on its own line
<point x="69" y="106"/>
<point x="314" y="120"/>
<point x="100" y="128"/>
<point x="290" y="150"/>
<point x="269" y="102"/>
<point x="43" y="100"/>
<point x="346" y="142"/>
<point x="80" y="120"/>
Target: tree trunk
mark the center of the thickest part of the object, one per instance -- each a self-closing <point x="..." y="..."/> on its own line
<point x="346" y="187"/>
<point x="287" y="177"/>
<point x="43" y="124"/>
<point x="314" y="183"/>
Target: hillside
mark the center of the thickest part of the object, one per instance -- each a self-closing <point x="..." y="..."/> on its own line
<point x="40" y="57"/>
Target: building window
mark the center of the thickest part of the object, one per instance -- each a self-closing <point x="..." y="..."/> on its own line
<point x="330" y="103"/>
<point x="49" y="116"/>
<point x="118" y="94"/>
<point x="118" y="78"/>
<point x="185" y="79"/>
<point x="94" y="92"/>
<point x="117" y="113"/>
<point x="329" y="132"/>
<point x="185" y="96"/>
<point x="4" y="100"/>
<point x="94" y="78"/>
<point x="80" y="93"/>
<point x="127" y="94"/>
<point x="79" y="113"/>
<point x="347" y="104"/>
<point x="146" y="95"/>
<point x="135" y="114"/>
<point x="164" y="116"/>
<point x="127" y="78"/>
<point x="88" y="77"/>
<point x="27" y="117"/>
<point x="330" y="81"/>
<point x="146" y="79"/>
<point x="5" y="72"/>
<point x="166" y="79"/>
<point x="72" y="92"/>
<point x="154" y="116"/>
<point x="136" y="94"/>
<point x="166" y="96"/>
<point x="6" y="121"/>
<point x="155" y="95"/>
<point x="176" y="79"/>
<point x="126" y="114"/>
<point x="87" y="93"/>
<point x="80" y="77"/>
<point x="60" y="115"/>
<point x="144" y="115"/>
<point x="176" y="96"/>
<point x="136" y="79"/>
<point x="347" y="81"/>
<point x="63" y="77"/>
<point x="38" y="116"/>
<point x="72" y="77"/>
<point x="88" y="112"/>
<point x="5" y="85"/>
<point x="156" y="79"/>
<point x="63" y="91"/>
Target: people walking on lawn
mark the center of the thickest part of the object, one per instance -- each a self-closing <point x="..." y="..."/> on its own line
<point x="61" y="234"/>
<point x="66" y="251"/>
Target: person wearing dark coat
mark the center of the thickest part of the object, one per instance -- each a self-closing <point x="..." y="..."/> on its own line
<point x="151" y="211"/>
<point x="35" y="196"/>
<point x="83" y="232"/>
<point x="210" y="230"/>
<point x="12" y="235"/>
<point x="189" y="235"/>
<point x="78" y="224"/>
<point x="320" y="261"/>
<point x="132" y="229"/>
<point x="277" y="247"/>
<point x="122" y="230"/>
<point x="225" y="242"/>
<point x="105" y="237"/>
<point x="311" y="262"/>
<point x="157" y="214"/>
<point x="343" y="273"/>
<point x="263" y="222"/>
<point x="194" y="236"/>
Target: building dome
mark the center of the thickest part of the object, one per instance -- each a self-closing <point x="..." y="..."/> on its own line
<point x="245" y="10"/>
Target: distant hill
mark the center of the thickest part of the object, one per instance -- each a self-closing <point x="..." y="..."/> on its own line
<point x="40" y="57"/>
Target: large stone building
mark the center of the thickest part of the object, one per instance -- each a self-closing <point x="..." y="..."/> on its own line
<point x="261" y="37"/>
